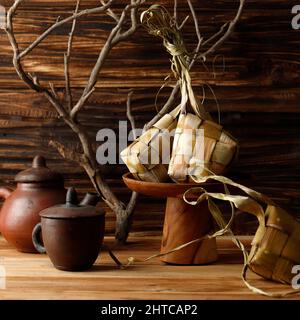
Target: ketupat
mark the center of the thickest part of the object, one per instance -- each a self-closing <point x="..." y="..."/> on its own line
<point x="219" y="149"/>
<point x="145" y="158"/>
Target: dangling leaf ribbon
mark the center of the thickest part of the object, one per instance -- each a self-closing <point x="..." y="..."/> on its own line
<point x="243" y="203"/>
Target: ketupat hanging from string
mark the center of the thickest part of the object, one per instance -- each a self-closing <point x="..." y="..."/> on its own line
<point x="144" y="157"/>
<point x="219" y="148"/>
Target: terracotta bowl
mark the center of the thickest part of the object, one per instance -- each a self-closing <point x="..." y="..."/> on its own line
<point x="164" y="189"/>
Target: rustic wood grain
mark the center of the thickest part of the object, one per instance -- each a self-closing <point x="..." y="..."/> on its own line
<point x="258" y="92"/>
<point x="31" y="276"/>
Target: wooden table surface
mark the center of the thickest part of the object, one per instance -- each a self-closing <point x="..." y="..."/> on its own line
<point x="31" y="276"/>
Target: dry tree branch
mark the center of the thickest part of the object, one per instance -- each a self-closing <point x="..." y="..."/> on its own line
<point x="167" y="106"/>
<point x="175" y="17"/>
<point x="134" y="195"/>
<point x="183" y="22"/>
<point x="67" y="57"/>
<point x="199" y="37"/>
<point x="87" y="158"/>
<point x="59" y="23"/>
<point x="198" y="47"/>
<point x="110" y="12"/>
<point x="65" y="152"/>
<point x="116" y="35"/>
<point x="129" y="114"/>
<point x="175" y="13"/>
<point x="81" y="102"/>
<point x="226" y="35"/>
<point x="53" y="90"/>
<point x="216" y="35"/>
<point x="134" y="21"/>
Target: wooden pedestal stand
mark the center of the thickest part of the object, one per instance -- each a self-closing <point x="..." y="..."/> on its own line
<point x="183" y="222"/>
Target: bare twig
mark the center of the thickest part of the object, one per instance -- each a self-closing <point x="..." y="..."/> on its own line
<point x="175" y="13"/>
<point x="34" y="78"/>
<point x="134" y="196"/>
<point x="183" y="22"/>
<point x="67" y="57"/>
<point x="132" y="202"/>
<point x="199" y="37"/>
<point x="167" y="106"/>
<point x="27" y="78"/>
<point x="216" y="35"/>
<point x="53" y="90"/>
<point x="133" y="8"/>
<point x="65" y="152"/>
<point x="129" y="114"/>
<point x="227" y="34"/>
<point x="116" y="35"/>
<point x="81" y="103"/>
<point x="59" y="23"/>
<point x="110" y="12"/>
<point x="175" y="17"/>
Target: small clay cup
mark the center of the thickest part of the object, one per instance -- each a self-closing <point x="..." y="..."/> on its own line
<point x="72" y="234"/>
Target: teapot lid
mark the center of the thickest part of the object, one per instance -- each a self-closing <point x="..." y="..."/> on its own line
<point x="39" y="172"/>
<point x="71" y="209"/>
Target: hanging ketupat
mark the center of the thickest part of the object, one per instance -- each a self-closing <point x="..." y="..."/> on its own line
<point x="144" y="157"/>
<point x="192" y="154"/>
<point x="210" y="148"/>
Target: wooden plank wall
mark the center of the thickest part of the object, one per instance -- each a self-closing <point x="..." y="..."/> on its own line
<point x="258" y="92"/>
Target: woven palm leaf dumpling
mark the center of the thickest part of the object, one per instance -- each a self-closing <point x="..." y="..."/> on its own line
<point x="275" y="251"/>
<point x="192" y="156"/>
<point x="144" y="157"/>
<point x="219" y="149"/>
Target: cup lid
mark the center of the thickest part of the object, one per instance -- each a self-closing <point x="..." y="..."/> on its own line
<point x="39" y="172"/>
<point x="71" y="209"/>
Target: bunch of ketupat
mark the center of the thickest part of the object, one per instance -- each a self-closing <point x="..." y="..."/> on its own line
<point x="200" y="146"/>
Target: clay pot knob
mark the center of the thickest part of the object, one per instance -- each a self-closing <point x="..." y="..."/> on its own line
<point x="38" y="162"/>
<point x="71" y="198"/>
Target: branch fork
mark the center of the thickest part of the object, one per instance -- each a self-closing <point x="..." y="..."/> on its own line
<point x="68" y="110"/>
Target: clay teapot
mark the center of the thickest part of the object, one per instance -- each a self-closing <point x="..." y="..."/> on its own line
<point x="72" y="234"/>
<point x="37" y="188"/>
